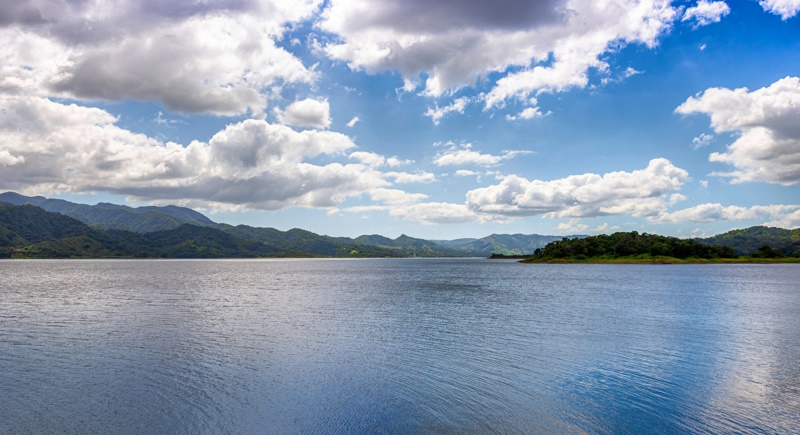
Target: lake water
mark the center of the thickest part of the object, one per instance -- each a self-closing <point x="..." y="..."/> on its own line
<point x="397" y="345"/>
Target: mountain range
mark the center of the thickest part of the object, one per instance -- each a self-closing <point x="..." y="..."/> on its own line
<point x="161" y="228"/>
<point x="42" y="227"/>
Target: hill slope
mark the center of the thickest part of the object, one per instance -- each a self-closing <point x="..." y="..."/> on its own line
<point x="748" y="240"/>
<point x="506" y="244"/>
<point x="117" y="217"/>
<point x="630" y="244"/>
<point x="28" y="231"/>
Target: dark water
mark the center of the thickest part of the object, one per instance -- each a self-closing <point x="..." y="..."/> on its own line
<point x="397" y="346"/>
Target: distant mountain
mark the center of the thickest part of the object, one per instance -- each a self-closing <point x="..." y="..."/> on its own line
<point x="326" y="246"/>
<point x="506" y="244"/>
<point x="410" y="247"/>
<point x="295" y="242"/>
<point x="747" y="241"/>
<point x="116" y="217"/>
<point x="28" y="231"/>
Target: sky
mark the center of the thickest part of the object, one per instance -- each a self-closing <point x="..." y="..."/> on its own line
<point x="436" y="119"/>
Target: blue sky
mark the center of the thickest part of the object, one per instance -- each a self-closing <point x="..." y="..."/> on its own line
<point x="435" y="119"/>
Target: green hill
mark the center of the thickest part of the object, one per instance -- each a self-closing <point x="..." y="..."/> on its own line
<point x="748" y="240"/>
<point x="406" y="246"/>
<point x="628" y="245"/>
<point x="295" y="242"/>
<point x="115" y="217"/>
<point x="27" y="231"/>
<point x="506" y="244"/>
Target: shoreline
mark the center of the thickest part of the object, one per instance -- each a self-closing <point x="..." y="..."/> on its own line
<point x="664" y="260"/>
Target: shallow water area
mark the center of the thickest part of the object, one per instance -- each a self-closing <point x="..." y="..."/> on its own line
<point x="397" y="345"/>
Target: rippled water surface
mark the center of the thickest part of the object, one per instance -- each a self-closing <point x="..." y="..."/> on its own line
<point x="399" y="345"/>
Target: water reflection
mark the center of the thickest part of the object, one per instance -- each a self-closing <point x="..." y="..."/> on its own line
<point x="397" y="346"/>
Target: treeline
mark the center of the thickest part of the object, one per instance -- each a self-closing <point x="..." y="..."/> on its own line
<point x="626" y="244"/>
<point x="750" y="241"/>
<point x="27" y="231"/>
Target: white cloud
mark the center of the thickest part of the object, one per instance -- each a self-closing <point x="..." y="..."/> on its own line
<point x="453" y="43"/>
<point x="353" y="121"/>
<point x="785" y="8"/>
<point x="676" y="198"/>
<point x="209" y="57"/>
<point x="368" y="158"/>
<point x="416" y="177"/>
<point x="790" y="220"/>
<point x="47" y="146"/>
<point x="605" y="228"/>
<point x="717" y="212"/>
<point x="572" y="226"/>
<point x="395" y="196"/>
<point x="704" y="184"/>
<point x="702" y="141"/>
<point x="706" y="12"/>
<point x="464" y="154"/>
<point x="307" y="113"/>
<point x="638" y="193"/>
<point x="394" y="162"/>
<point x="437" y="113"/>
<point x="630" y="72"/>
<point x="527" y="113"/>
<point x="435" y="213"/>
<point x="768" y="148"/>
<point x="465" y="173"/>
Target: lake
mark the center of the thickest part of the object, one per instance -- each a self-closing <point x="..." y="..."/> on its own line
<point x="397" y="345"/>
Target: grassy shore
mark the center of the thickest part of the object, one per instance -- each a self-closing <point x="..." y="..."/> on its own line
<point x="649" y="259"/>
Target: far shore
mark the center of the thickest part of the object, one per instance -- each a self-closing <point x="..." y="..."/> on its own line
<point x="647" y="259"/>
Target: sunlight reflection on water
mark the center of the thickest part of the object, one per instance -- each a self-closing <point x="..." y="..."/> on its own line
<point x="397" y="345"/>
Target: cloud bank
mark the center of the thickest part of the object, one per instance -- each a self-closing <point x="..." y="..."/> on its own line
<point x="768" y="146"/>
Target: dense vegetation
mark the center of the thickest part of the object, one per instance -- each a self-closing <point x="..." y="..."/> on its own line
<point x="630" y="244"/>
<point x="295" y="242"/>
<point x="115" y="217"/>
<point x="27" y="231"/>
<point x="747" y="241"/>
<point x="109" y="230"/>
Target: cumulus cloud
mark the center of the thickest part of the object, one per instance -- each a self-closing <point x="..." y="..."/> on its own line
<point x="527" y="113"/>
<point x="435" y="213"/>
<point x="452" y="43"/>
<point x="638" y="193"/>
<point x="571" y="226"/>
<point x="353" y="121"/>
<point x="436" y="113"/>
<point x="717" y="212"/>
<point x="785" y="8"/>
<point x="368" y="158"/>
<point x="47" y="146"/>
<point x="394" y="162"/>
<point x="705" y="12"/>
<point x="574" y="226"/>
<point x="406" y="177"/>
<point x="210" y="57"/>
<point x="466" y="173"/>
<point x="605" y="228"/>
<point x="768" y="148"/>
<point x="702" y="141"/>
<point x="790" y="220"/>
<point x="307" y="113"/>
<point x="465" y="155"/>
